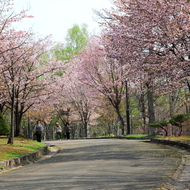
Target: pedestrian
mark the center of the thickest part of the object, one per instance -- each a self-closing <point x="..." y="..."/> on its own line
<point x="67" y="131"/>
<point x="58" y="131"/>
<point x="38" y="130"/>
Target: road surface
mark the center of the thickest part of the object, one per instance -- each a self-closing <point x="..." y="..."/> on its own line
<point x="104" y="164"/>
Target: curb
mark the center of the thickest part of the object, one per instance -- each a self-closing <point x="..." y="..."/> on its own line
<point x="172" y="143"/>
<point x="25" y="159"/>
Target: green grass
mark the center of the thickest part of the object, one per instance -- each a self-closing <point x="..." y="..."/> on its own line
<point x="13" y="155"/>
<point x="33" y="147"/>
<point x="21" y="146"/>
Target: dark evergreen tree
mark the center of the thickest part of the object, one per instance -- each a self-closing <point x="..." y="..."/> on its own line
<point x="4" y="128"/>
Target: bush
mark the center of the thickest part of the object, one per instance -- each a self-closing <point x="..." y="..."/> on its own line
<point x="160" y="124"/>
<point x="4" y="128"/>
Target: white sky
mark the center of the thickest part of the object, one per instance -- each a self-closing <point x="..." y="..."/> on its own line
<point x="57" y="16"/>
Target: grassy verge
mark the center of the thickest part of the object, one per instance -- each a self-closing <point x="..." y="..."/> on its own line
<point x="20" y="147"/>
<point x="135" y="136"/>
<point x="172" y="138"/>
<point x="180" y="138"/>
<point x="143" y="136"/>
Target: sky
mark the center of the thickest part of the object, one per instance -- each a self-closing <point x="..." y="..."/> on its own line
<point x="57" y="16"/>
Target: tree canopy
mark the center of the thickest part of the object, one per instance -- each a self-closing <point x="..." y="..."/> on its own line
<point x="143" y="42"/>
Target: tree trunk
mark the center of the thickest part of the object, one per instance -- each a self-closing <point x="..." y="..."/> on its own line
<point x="86" y="129"/>
<point x="11" y="138"/>
<point x="18" y="118"/>
<point x="166" y="132"/>
<point x="152" y="130"/>
<point x="17" y="126"/>
<point x="120" y="118"/>
<point x="2" y="106"/>
<point x="180" y="130"/>
<point x="143" y="110"/>
<point x="122" y="126"/>
<point x="128" y="125"/>
<point x="171" y="104"/>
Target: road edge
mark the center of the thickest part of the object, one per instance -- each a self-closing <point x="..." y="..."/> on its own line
<point x="43" y="153"/>
<point x="175" y="182"/>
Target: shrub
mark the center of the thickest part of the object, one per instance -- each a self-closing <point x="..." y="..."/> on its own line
<point x="4" y="128"/>
<point x="160" y="124"/>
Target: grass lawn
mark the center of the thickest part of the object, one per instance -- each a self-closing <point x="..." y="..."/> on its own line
<point x="20" y="147"/>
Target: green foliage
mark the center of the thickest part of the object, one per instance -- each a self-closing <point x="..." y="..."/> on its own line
<point x="44" y="56"/>
<point x="4" y="128"/>
<point x="95" y="134"/>
<point x="77" y="37"/>
<point x="135" y="114"/>
<point x="177" y="120"/>
<point x="159" y="124"/>
<point x="162" y="101"/>
<point x="76" y="40"/>
<point x="44" y="59"/>
<point x="63" y="53"/>
<point x="100" y="129"/>
<point x="134" y="107"/>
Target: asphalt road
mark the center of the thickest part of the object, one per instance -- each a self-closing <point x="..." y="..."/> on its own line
<point x="107" y="164"/>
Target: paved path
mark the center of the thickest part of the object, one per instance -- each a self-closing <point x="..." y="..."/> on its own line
<point x="107" y="164"/>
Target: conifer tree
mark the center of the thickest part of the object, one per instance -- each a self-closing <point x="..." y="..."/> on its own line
<point x="4" y="128"/>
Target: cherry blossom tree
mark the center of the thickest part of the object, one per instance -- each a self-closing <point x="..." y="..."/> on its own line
<point x="153" y="36"/>
<point x="102" y="74"/>
<point x="151" y="33"/>
<point x="107" y="120"/>
<point x="79" y="96"/>
<point x="8" y="35"/>
<point x="28" y="78"/>
<point x="7" y="32"/>
<point x="71" y="101"/>
<point x="24" y="79"/>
